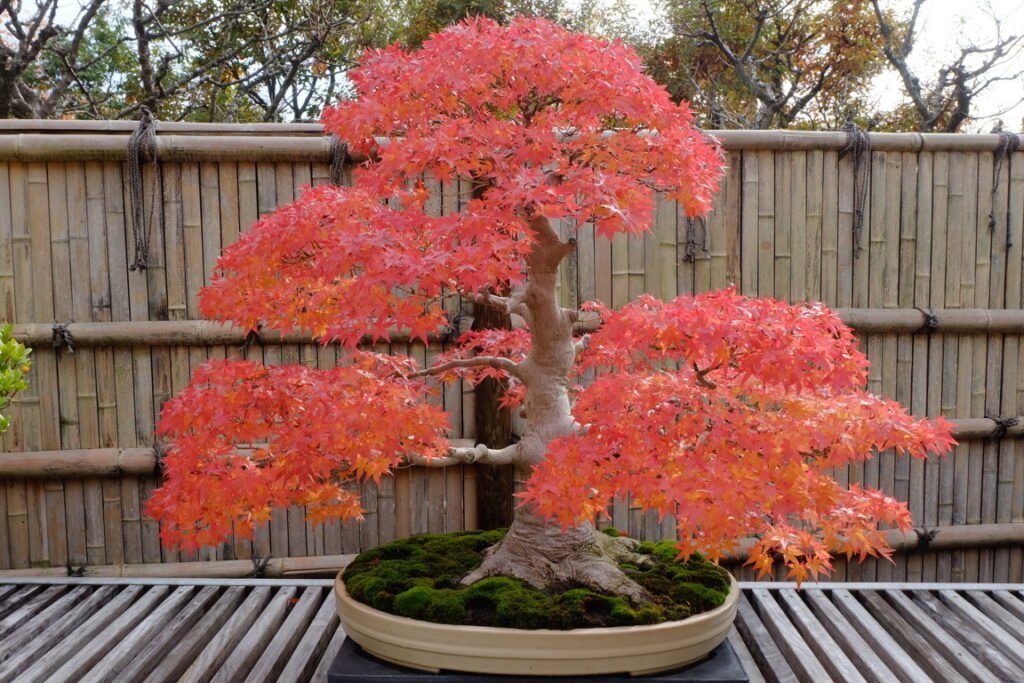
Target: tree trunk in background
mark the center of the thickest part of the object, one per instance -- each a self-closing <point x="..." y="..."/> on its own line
<point x="493" y="428"/>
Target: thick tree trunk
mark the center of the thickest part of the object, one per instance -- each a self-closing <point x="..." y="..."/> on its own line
<point x="541" y="553"/>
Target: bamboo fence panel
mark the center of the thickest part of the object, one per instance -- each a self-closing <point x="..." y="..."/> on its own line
<point x="782" y="226"/>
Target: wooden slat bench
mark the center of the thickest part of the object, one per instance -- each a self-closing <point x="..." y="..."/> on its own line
<point x="286" y="630"/>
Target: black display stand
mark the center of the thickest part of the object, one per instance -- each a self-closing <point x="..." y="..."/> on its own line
<point x="352" y="665"/>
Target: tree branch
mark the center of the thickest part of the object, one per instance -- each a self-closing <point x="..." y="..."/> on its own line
<point x="496" y="362"/>
<point x="467" y="456"/>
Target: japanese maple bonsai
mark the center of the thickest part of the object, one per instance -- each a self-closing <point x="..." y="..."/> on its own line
<point x="723" y="411"/>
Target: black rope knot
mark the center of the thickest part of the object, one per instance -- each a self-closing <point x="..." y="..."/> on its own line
<point x="75" y="571"/>
<point x="858" y="145"/>
<point x="1007" y="145"/>
<point x="339" y="157"/>
<point x="931" y="321"/>
<point x="142" y="143"/>
<point x="1003" y="425"/>
<point x="259" y="567"/>
<point x="925" y="536"/>
<point x="62" y="337"/>
<point x="251" y="337"/>
<point x="693" y="242"/>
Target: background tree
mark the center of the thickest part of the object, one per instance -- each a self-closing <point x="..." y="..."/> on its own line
<point x="724" y="411"/>
<point x="224" y="60"/>
<point x="769" y="63"/>
<point x="949" y="99"/>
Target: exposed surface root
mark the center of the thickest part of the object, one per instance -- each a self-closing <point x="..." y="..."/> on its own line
<point x="546" y="558"/>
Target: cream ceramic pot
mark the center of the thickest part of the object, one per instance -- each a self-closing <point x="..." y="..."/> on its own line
<point x="637" y="650"/>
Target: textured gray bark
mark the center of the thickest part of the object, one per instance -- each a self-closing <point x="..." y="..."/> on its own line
<point x="541" y="553"/>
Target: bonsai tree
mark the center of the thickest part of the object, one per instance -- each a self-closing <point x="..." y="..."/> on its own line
<point x="724" y="411"/>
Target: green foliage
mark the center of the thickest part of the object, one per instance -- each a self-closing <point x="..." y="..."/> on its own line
<point x="14" y="365"/>
<point x="417" y="577"/>
<point x="769" y="63"/>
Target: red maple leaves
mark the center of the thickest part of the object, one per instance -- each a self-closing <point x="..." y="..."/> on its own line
<point x="724" y="411"/>
<point x="728" y="412"/>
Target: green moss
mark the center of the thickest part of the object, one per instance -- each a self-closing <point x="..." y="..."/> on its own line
<point x="418" y="577"/>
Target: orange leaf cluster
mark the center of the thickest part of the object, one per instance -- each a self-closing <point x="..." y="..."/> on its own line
<point x="727" y="412"/>
<point x="566" y="124"/>
<point x="245" y="438"/>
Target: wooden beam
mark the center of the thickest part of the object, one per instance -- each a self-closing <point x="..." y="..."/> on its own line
<point x="209" y="333"/>
<point x="270" y="568"/>
<point x="44" y="140"/>
<point x="94" y="462"/>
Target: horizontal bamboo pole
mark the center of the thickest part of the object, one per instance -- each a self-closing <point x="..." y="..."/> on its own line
<point x="261" y="144"/>
<point x="939" y="538"/>
<point x="104" y="462"/>
<point x="95" y="462"/>
<point x="274" y="568"/>
<point x="208" y="333"/>
<point x="69" y="464"/>
<point x="949" y="320"/>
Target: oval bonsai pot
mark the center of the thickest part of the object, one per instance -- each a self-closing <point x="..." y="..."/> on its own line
<point x="636" y="650"/>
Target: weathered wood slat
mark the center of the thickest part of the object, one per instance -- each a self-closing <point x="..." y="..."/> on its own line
<point x="881" y="642"/>
<point x="26" y="629"/>
<point x="43" y="635"/>
<point x="320" y="673"/>
<point x="99" y="644"/>
<point x="763" y="648"/>
<point x="743" y="654"/>
<point x="797" y="653"/>
<point x="82" y="636"/>
<point x="185" y="652"/>
<point x="245" y="655"/>
<point x="274" y="657"/>
<point x="155" y="647"/>
<point x="224" y="639"/>
<point x="952" y="648"/>
<point x="997" y="613"/>
<point x="149" y="627"/>
<point x="29" y="609"/>
<point x="991" y="655"/>
<point x="925" y="653"/>
<point x="17" y="599"/>
<point x="995" y="632"/>
<point x="825" y="649"/>
<point x="843" y="632"/>
<point x="307" y="654"/>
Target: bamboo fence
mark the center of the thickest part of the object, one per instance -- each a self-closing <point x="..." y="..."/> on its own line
<point x="934" y="292"/>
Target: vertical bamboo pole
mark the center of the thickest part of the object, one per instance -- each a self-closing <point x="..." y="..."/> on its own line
<point x="100" y="305"/>
<point x="1010" y="475"/>
<point x="830" y="229"/>
<point x="813" y="180"/>
<point x="919" y="387"/>
<point x="7" y="314"/>
<point x="905" y="299"/>
<point x="749" y="223"/>
<point x="938" y="387"/>
<point x="24" y="408"/>
<point x="766" y="225"/>
<point x="60" y="195"/>
<point x="731" y="221"/>
<point x="979" y="376"/>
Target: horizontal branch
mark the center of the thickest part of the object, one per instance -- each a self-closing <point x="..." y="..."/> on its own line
<point x="496" y="362"/>
<point x="479" y="454"/>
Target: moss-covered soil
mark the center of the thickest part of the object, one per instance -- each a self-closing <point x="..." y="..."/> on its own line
<point x="417" y="577"/>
